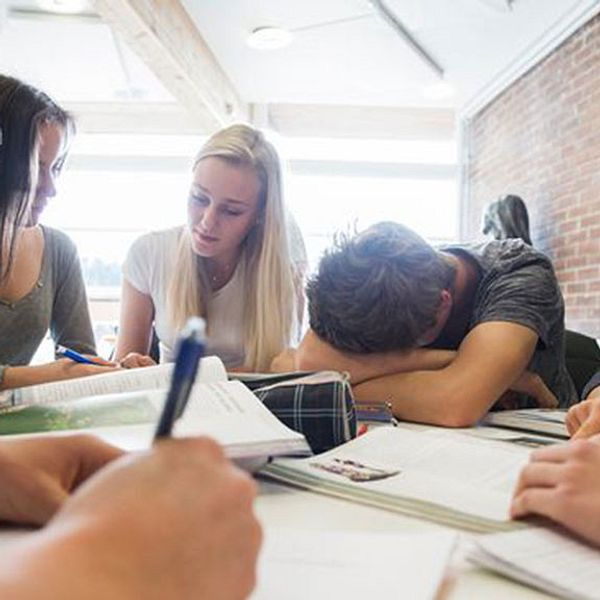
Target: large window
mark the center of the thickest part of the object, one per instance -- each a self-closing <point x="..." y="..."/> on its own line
<point x="117" y="187"/>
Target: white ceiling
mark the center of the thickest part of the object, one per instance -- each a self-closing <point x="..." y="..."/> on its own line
<point x="76" y="59"/>
<point x="364" y="61"/>
<point x="356" y="61"/>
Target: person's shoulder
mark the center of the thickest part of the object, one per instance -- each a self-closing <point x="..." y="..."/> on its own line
<point x="60" y="246"/>
<point x="162" y="242"/>
<point x="511" y="251"/>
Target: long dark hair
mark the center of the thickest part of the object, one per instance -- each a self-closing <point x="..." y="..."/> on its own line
<point x="23" y="109"/>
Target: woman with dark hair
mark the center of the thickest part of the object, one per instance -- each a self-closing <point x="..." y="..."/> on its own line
<point x="507" y="218"/>
<point x="41" y="285"/>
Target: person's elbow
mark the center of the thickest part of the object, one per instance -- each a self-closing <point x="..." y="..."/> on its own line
<point x="459" y="419"/>
<point x="459" y="410"/>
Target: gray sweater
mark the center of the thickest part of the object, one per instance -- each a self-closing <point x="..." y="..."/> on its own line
<point x="57" y="302"/>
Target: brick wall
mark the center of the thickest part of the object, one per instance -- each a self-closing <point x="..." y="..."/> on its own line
<point x="540" y="139"/>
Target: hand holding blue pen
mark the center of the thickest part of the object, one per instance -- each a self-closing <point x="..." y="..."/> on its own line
<point x="80" y="358"/>
<point x="190" y="349"/>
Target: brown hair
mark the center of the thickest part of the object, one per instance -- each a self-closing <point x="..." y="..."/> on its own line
<point x="377" y="291"/>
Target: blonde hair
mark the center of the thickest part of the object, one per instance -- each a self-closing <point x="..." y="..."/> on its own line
<point x="270" y="310"/>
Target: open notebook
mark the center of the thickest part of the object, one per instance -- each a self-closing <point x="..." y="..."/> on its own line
<point x="432" y="473"/>
<point x="222" y="409"/>
<point x="544" y="559"/>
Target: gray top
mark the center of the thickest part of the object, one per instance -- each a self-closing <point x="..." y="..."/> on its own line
<point x="518" y="284"/>
<point x="591" y="385"/>
<point x="57" y="302"/>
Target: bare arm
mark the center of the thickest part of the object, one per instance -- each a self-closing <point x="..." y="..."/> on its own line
<point x="313" y="354"/>
<point x="135" y="328"/>
<point x="489" y="360"/>
<point x="15" y="377"/>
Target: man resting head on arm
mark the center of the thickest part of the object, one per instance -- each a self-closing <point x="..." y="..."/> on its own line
<point x="442" y="335"/>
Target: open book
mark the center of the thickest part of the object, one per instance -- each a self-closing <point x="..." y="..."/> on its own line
<point x="224" y="410"/>
<point x="432" y="473"/>
<point x="125" y="380"/>
<point x="544" y="559"/>
<point x="545" y="421"/>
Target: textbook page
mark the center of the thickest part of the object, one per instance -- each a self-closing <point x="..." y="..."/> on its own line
<point x="434" y="473"/>
<point x="124" y="380"/>
<point x="548" y="421"/>
<point x="224" y="410"/>
<point x="229" y="412"/>
<point x="544" y="559"/>
<point x="298" y="565"/>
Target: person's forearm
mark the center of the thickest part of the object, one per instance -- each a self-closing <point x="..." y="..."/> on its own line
<point x="369" y="366"/>
<point x="433" y="397"/>
<point x="15" y="377"/>
<point x="314" y="354"/>
<point x="72" y="562"/>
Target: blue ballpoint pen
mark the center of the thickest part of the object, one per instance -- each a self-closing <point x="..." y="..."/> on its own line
<point x="75" y="356"/>
<point x="190" y="349"/>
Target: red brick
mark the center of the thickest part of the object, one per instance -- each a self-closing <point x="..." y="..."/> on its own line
<point x="541" y="139"/>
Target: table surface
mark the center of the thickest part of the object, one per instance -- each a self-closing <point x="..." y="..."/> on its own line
<point x="282" y="506"/>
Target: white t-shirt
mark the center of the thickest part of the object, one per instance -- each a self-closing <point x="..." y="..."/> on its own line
<point x="148" y="268"/>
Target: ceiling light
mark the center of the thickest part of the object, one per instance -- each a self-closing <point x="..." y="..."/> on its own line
<point x="64" y="6"/>
<point x="440" y="90"/>
<point x="499" y="5"/>
<point x="269" y="38"/>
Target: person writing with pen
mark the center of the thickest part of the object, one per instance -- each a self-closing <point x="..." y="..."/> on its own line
<point x="41" y="285"/>
<point x="197" y="512"/>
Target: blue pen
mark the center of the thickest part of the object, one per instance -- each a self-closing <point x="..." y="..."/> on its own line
<point x="75" y="356"/>
<point x="190" y="349"/>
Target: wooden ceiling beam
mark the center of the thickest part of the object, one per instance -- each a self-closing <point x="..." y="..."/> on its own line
<point x="138" y="118"/>
<point x="165" y="37"/>
<point x="361" y="122"/>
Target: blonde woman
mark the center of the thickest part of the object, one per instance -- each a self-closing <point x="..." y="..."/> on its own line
<point x="239" y="262"/>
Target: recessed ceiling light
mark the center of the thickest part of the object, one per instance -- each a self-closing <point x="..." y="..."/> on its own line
<point x="269" y="38"/>
<point x="64" y="6"/>
<point x="440" y="90"/>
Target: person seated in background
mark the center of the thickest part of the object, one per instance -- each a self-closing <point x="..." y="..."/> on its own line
<point x="562" y="483"/>
<point x="239" y="262"/>
<point x="441" y="334"/>
<point x="41" y="285"/>
<point x="173" y="522"/>
<point x="507" y="218"/>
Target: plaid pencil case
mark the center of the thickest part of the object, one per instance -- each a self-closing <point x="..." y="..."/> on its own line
<point x="320" y="405"/>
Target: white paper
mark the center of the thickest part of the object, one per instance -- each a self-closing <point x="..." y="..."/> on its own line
<point x="449" y="469"/>
<point x="125" y="380"/>
<point x="544" y="559"/>
<point x="227" y="411"/>
<point x="549" y="421"/>
<point x="303" y="565"/>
